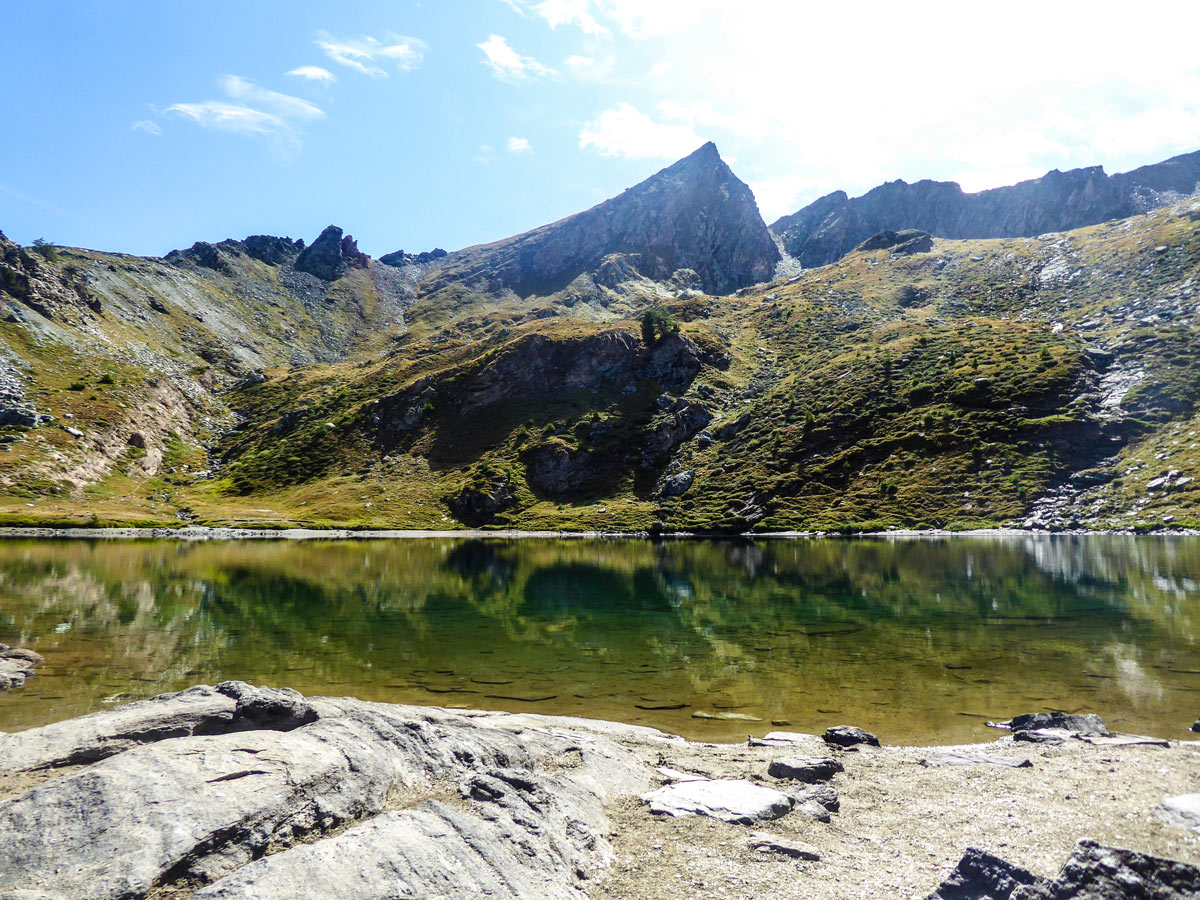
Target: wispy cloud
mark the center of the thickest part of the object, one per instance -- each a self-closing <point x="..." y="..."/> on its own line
<point x="147" y="126"/>
<point x="508" y="65"/>
<point x="564" y="12"/>
<point x="259" y="112"/>
<point x="313" y="73"/>
<point x="368" y="56"/>
<point x="485" y="155"/>
<point x="626" y="131"/>
<point x="519" y="145"/>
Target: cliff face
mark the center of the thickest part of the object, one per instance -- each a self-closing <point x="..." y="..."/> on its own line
<point x="694" y="215"/>
<point x="832" y="226"/>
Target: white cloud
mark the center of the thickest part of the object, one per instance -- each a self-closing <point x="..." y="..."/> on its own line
<point x="367" y="55"/>
<point x="486" y="154"/>
<point x="571" y="12"/>
<point x="590" y="68"/>
<point x="626" y="131"/>
<point x="148" y="126"/>
<point x="313" y="73"/>
<point x="257" y="112"/>
<point x="519" y="145"/>
<point x="508" y="65"/>
<point x="283" y="105"/>
<point x="231" y="117"/>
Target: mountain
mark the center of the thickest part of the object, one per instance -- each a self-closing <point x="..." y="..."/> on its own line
<point x="921" y="382"/>
<point x="694" y="215"/>
<point x="832" y="226"/>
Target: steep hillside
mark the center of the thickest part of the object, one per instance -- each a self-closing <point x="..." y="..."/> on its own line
<point x="917" y="382"/>
<point x="832" y="226"/>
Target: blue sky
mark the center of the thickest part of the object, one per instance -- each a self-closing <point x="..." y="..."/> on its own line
<point x="145" y="126"/>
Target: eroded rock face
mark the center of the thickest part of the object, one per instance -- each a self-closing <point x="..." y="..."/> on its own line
<point x="832" y="226"/>
<point x="190" y="788"/>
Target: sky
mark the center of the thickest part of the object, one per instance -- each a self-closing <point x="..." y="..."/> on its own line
<point x="145" y="126"/>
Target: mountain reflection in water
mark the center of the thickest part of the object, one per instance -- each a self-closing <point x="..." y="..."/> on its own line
<point x="920" y="641"/>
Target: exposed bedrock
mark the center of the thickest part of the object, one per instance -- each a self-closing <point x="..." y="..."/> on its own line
<point x="182" y="796"/>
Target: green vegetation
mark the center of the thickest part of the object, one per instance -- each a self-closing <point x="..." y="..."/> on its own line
<point x="657" y="326"/>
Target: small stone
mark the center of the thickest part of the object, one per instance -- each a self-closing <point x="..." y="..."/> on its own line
<point x="771" y="843"/>
<point x="809" y="769"/>
<point x="848" y="736"/>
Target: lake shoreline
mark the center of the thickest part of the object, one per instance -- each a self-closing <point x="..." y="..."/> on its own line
<point x="588" y="799"/>
<point x="207" y="533"/>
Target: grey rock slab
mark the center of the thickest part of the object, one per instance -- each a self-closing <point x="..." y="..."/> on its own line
<point x="965" y="758"/>
<point x="202" y="710"/>
<point x="524" y="836"/>
<point x="195" y="806"/>
<point x="811" y="809"/>
<point x="809" y="769"/>
<point x="729" y="800"/>
<point x="822" y="794"/>
<point x="1122" y="740"/>
<point x="773" y="843"/>
<point x="1043" y="735"/>
<point x="1182" y="811"/>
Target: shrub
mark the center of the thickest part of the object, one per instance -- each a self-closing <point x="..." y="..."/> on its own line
<point x="46" y="249"/>
<point x="657" y="326"/>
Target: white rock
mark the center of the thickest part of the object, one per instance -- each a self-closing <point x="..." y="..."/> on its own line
<point x="737" y="801"/>
<point x="1182" y="811"/>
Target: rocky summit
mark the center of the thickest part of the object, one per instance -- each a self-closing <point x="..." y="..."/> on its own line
<point x="1024" y="357"/>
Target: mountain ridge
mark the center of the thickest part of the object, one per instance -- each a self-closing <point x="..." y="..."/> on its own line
<point x="834" y="224"/>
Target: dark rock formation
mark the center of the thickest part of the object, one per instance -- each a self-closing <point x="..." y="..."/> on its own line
<point x="331" y="255"/>
<point x="1075" y="723"/>
<point x="809" y="769"/>
<point x="694" y="215"/>
<point x="848" y="736"/>
<point x="274" y="251"/>
<point x="901" y="243"/>
<point x="479" y="503"/>
<point x="832" y="226"/>
<point x="558" y="470"/>
<point x="400" y="258"/>
<point x="202" y="254"/>
<point x="981" y="876"/>
<point x="1091" y="872"/>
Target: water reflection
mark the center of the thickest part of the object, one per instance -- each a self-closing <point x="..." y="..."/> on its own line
<point x="918" y="640"/>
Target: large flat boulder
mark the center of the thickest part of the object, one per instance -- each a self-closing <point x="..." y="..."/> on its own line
<point x="168" y="806"/>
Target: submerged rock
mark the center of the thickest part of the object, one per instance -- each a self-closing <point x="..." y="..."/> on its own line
<point x="737" y="801"/>
<point x="16" y="666"/>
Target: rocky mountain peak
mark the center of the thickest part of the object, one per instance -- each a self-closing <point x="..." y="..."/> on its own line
<point x="695" y="214"/>
<point x="330" y="255"/>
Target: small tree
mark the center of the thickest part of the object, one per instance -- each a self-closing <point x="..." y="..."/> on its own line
<point x="47" y="250"/>
<point x="657" y="326"/>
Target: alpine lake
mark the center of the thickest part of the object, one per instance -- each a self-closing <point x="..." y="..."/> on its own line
<point x="920" y="640"/>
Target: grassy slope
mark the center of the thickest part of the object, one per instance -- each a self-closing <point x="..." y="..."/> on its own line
<point x="945" y="389"/>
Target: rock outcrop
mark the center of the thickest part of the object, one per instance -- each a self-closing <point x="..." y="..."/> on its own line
<point x="189" y="789"/>
<point x="832" y="226"/>
<point x="331" y="255"/>
<point x="693" y="215"/>
<point x="1092" y="872"/>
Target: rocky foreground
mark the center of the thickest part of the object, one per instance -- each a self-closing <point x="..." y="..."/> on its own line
<point x="235" y="791"/>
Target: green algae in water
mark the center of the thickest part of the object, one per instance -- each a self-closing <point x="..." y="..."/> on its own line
<point x="920" y="641"/>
